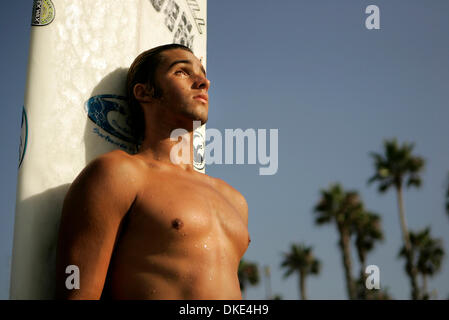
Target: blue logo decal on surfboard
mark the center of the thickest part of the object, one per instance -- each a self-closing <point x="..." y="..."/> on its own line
<point x="23" y="136"/>
<point x="110" y="112"/>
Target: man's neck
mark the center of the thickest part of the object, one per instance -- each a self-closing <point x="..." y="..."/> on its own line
<point x="158" y="144"/>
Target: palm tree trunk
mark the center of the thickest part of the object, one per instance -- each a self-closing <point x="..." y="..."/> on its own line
<point x="408" y="247"/>
<point x="362" y="274"/>
<point x="268" y="283"/>
<point x="302" y="285"/>
<point x="402" y="220"/>
<point x="362" y="271"/>
<point x="345" y="247"/>
<point x="424" y="286"/>
<point x="243" y="281"/>
<point x="362" y="259"/>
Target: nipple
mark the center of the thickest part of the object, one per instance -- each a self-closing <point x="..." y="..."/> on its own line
<point x="177" y="224"/>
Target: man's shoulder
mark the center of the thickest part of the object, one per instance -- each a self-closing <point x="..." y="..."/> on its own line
<point x="115" y="156"/>
<point x="110" y="177"/>
<point x="113" y="168"/>
<point x="115" y="162"/>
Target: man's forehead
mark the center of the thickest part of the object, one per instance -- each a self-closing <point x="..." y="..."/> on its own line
<point x="173" y="55"/>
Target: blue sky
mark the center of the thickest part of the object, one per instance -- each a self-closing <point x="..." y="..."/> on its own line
<point x="334" y="90"/>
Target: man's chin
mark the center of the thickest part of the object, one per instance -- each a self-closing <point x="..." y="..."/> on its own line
<point x="195" y="114"/>
<point x="203" y="121"/>
<point x="199" y="116"/>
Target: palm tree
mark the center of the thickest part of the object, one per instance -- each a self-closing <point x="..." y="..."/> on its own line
<point x="336" y="205"/>
<point x="368" y="230"/>
<point x="427" y="254"/>
<point x="248" y="274"/>
<point x="301" y="259"/>
<point x="377" y="294"/>
<point x="396" y="165"/>
<point x="430" y="256"/>
<point x="429" y="261"/>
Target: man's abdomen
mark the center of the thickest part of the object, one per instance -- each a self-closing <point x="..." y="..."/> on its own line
<point x="171" y="277"/>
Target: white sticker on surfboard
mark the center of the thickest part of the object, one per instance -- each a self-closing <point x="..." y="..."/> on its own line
<point x="75" y="109"/>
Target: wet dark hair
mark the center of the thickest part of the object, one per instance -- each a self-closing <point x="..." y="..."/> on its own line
<point x="143" y="70"/>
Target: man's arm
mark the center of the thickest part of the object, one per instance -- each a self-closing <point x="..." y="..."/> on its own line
<point x="93" y="210"/>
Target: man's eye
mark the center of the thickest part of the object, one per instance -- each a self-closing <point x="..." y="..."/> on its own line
<point x="180" y="72"/>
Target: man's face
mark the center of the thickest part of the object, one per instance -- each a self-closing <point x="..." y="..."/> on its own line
<point x="184" y="85"/>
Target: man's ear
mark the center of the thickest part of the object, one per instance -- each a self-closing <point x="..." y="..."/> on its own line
<point x="142" y="93"/>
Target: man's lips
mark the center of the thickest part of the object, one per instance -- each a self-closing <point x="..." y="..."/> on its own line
<point x="202" y="97"/>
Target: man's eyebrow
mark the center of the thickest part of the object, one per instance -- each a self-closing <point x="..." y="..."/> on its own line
<point x="187" y="62"/>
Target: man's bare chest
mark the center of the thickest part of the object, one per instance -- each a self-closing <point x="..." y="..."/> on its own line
<point x="181" y="213"/>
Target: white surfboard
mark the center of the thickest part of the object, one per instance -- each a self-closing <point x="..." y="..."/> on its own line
<point x="75" y="109"/>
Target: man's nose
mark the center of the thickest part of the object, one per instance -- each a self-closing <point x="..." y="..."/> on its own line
<point x="202" y="82"/>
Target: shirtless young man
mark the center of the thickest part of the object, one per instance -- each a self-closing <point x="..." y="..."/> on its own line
<point x="141" y="227"/>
